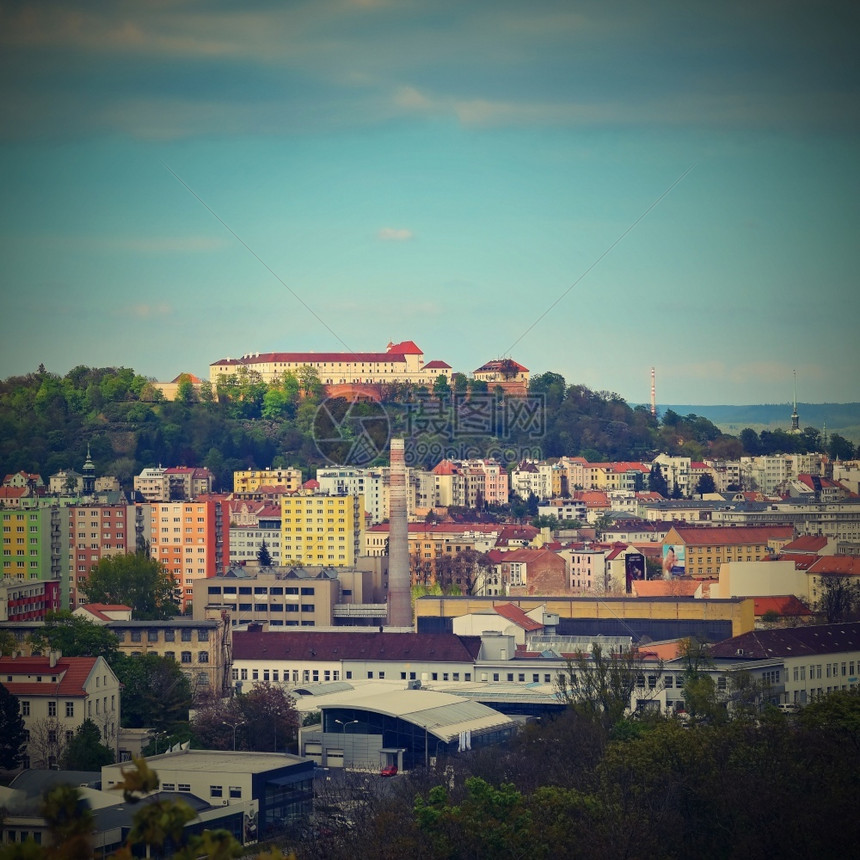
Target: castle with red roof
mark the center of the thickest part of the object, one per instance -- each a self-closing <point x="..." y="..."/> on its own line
<point x="339" y="371"/>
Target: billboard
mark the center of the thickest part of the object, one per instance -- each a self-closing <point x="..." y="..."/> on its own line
<point x="673" y="560"/>
<point x="634" y="568"/>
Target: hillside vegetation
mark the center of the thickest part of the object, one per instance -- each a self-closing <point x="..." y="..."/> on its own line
<point x="47" y="421"/>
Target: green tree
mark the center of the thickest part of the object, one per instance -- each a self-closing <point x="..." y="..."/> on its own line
<point x="840" y="595"/>
<point x="705" y="485"/>
<point x="700" y="692"/>
<point x="86" y="750"/>
<point x="73" y="636"/>
<point x="264" y="557"/>
<point x="134" y="580"/>
<point x="8" y="643"/>
<point x="70" y="824"/>
<point x="657" y="482"/>
<point x="489" y="822"/>
<point x="271" y="718"/>
<point x="600" y="686"/>
<point x="155" y="692"/>
<point x="13" y="736"/>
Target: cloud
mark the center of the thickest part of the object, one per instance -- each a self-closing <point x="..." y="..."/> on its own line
<point x="395" y="234"/>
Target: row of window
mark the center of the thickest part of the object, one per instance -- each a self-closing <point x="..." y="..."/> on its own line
<point x="826" y="670"/>
<point x="186" y="635"/>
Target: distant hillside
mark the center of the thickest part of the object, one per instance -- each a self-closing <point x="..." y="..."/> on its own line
<point x="842" y="418"/>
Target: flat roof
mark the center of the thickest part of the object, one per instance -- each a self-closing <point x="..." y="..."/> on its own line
<point x="204" y="761"/>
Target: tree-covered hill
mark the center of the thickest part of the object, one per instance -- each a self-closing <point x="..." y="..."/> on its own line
<point x="48" y="421"/>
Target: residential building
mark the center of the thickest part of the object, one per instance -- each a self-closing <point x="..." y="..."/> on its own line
<point x="96" y="532"/>
<point x="525" y="572"/>
<point x="56" y="694"/>
<point x="677" y="473"/>
<point x="251" y="525"/>
<point x="191" y="539"/>
<point x="28" y="600"/>
<point x="321" y="530"/>
<point x="704" y="549"/>
<point x="251" y="480"/>
<point x="532" y="477"/>
<point x="34" y="545"/>
<point x="178" y="483"/>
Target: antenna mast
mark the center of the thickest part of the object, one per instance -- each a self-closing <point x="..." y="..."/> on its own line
<point x="653" y="394"/>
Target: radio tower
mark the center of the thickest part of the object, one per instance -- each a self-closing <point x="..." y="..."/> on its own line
<point x="653" y="394"/>
<point x="795" y="418"/>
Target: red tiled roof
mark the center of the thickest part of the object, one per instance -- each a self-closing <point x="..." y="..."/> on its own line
<point x="515" y="614"/>
<point x="732" y="535"/>
<point x="13" y="492"/>
<point x="806" y="543"/>
<point x="71" y="674"/>
<point x="846" y="565"/>
<point x="311" y="484"/>
<point x="785" y="605"/>
<point x="301" y="645"/>
<point x="434" y="365"/>
<point x="406" y="347"/>
<point x="194" y="380"/>
<point x="527" y="555"/>
<point x="500" y="364"/>
<point x="444" y="467"/>
<point x="314" y="358"/>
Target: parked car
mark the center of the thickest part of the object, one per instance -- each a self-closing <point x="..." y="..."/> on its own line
<point x="389" y="770"/>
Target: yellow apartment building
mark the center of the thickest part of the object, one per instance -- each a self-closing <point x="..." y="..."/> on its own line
<point x="322" y="530"/>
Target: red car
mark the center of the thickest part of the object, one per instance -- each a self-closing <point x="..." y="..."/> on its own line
<point x="389" y="770"/>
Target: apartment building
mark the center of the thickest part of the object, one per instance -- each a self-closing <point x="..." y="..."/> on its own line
<point x="322" y="530"/>
<point x="191" y="539"/>
<point x="96" y="532"/>
<point x="178" y="483"/>
<point x="251" y="525"/>
<point x="251" y="480"/>
<point x="56" y="694"/>
<point x="28" y="600"/>
<point x="702" y="550"/>
<point x="34" y="545"/>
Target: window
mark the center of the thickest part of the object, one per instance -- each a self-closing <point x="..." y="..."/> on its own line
<point x="152" y="636"/>
<point x="169" y="635"/>
<point x="184" y="786"/>
<point x="186" y="656"/>
<point x="203" y="657"/>
<point x="25" y="709"/>
<point x="136" y="635"/>
<point x="186" y="635"/>
<point x="216" y="790"/>
<point x="52" y="709"/>
<point x="235" y="791"/>
<point x="70" y="709"/>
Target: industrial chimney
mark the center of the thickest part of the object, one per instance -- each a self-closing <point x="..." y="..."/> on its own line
<point x="399" y="596"/>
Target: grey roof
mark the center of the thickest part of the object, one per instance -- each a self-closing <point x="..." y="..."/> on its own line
<point x="791" y="642"/>
<point x="322" y="689"/>
<point x="442" y="714"/>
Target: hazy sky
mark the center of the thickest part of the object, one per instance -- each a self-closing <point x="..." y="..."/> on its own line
<point x="444" y="172"/>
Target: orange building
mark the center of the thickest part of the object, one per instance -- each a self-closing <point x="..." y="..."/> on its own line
<point x="191" y="539"/>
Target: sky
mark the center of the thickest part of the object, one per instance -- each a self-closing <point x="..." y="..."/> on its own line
<point x="590" y="188"/>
